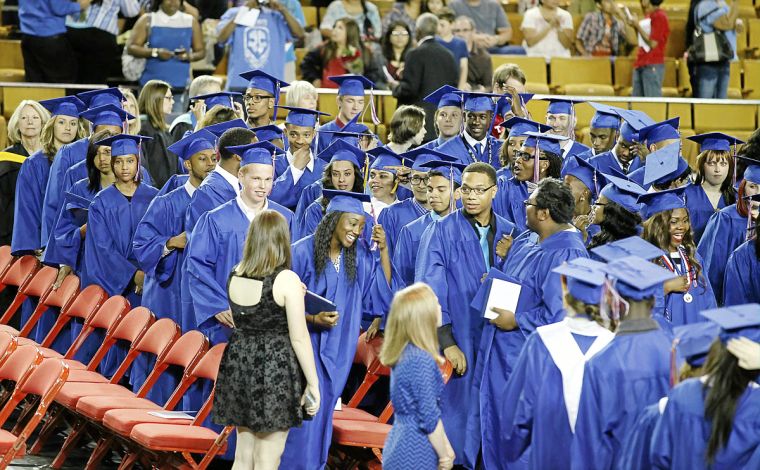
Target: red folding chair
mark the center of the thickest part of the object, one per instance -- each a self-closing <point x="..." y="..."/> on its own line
<point x="367" y="353"/>
<point x="133" y="327"/>
<point x="44" y="381"/>
<point x="84" y="305"/>
<point x="16" y="365"/>
<point x="59" y="298"/>
<point x="20" y="272"/>
<point x="6" y="259"/>
<point x="39" y="285"/>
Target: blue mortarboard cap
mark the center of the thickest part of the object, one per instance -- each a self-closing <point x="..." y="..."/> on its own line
<point x="519" y="126"/>
<point x="694" y="341"/>
<point x="587" y="173"/>
<point x="385" y="160"/>
<point x="633" y="122"/>
<point x="660" y="131"/>
<point x="301" y="116"/>
<point x="715" y="141"/>
<point x="70" y="106"/>
<point x="546" y="142"/>
<point x="193" y="143"/>
<point x="346" y="201"/>
<point x="419" y="156"/>
<point x="637" y="278"/>
<point x="664" y="165"/>
<point x="606" y="117"/>
<point x="631" y="246"/>
<point x="445" y="96"/>
<point x="220" y="128"/>
<point x="561" y="105"/>
<point x="736" y="320"/>
<point x="584" y="278"/>
<point x="260" y="152"/>
<point x="123" y="144"/>
<point x="352" y="85"/>
<point x="263" y="81"/>
<point x="752" y="171"/>
<point x="268" y="133"/>
<point x="623" y="192"/>
<point x="96" y="98"/>
<point x="452" y="170"/>
<point x="479" y="102"/>
<point x="222" y="98"/>
<point x="340" y="150"/>
<point x="653" y="203"/>
<point x="106" y="115"/>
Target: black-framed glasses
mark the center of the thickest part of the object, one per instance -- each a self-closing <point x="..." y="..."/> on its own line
<point x="417" y="180"/>
<point x="466" y="190"/>
<point x="528" y="203"/>
<point x="256" y="98"/>
<point x="525" y="156"/>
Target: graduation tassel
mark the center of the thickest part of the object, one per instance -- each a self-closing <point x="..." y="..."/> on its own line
<point x="451" y="189"/>
<point x="733" y="182"/>
<point x="139" y="160"/>
<point x="673" y="364"/>
<point x="276" y="99"/>
<point x="536" y="159"/>
<point x="375" y="119"/>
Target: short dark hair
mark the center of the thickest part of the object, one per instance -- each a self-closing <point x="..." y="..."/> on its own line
<point x="482" y="168"/>
<point x="656" y="2"/>
<point x="554" y="195"/>
<point x="432" y="173"/>
<point x="233" y="137"/>
<point x="555" y="165"/>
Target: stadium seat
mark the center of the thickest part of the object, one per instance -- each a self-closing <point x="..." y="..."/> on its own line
<point x="670" y="78"/>
<point x="584" y="112"/>
<point x="388" y="107"/>
<point x="623" y="76"/>
<point x="37" y="287"/>
<point x="684" y="81"/>
<point x="11" y="61"/>
<point x="735" y="81"/>
<point x="13" y="96"/>
<point x="327" y="104"/>
<point x="753" y="37"/>
<point x="657" y="111"/>
<point x="581" y="75"/>
<point x="515" y="20"/>
<point x="533" y="67"/>
<point x="677" y="40"/>
<point x="300" y="53"/>
<point x="310" y="15"/>
<point x="3" y="130"/>
<point x="751" y="89"/>
<point x="682" y="111"/>
<point x="724" y="116"/>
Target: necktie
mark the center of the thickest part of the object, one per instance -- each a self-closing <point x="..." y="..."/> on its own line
<point x="479" y="152"/>
<point x="625" y="167"/>
<point x="483" y="235"/>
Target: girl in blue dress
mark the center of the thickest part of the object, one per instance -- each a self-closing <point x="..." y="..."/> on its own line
<point x="417" y="439"/>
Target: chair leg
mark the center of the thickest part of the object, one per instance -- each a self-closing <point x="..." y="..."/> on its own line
<point x="77" y="431"/>
<point x="128" y="461"/>
<point x="12" y="308"/>
<point x="101" y="450"/>
<point x="54" y="419"/>
<point x="27" y="411"/>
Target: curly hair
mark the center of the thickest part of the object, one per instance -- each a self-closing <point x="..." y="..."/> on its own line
<point x="322" y="237"/>
<point x="590" y="310"/>
<point x="657" y="232"/>
<point x="618" y="223"/>
<point x="555" y="165"/>
<point x="555" y="196"/>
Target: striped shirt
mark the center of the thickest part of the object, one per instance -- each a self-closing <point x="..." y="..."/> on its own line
<point x="105" y="15"/>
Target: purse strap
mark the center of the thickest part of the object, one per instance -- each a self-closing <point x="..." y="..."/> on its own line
<point x="698" y="21"/>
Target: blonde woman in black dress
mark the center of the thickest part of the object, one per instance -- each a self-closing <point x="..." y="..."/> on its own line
<point x="267" y="379"/>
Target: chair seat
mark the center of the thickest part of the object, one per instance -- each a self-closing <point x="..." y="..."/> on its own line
<point x="6" y="442"/>
<point x="122" y="421"/>
<point x="72" y="392"/>
<point x="89" y="376"/>
<point x="9" y="329"/>
<point x="48" y="353"/>
<point x="94" y="407"/>
<point x="360" y="433"/>
<point x="11" y="75"/>
<point x="354" y="414"/>
<point x="174" y="437"/>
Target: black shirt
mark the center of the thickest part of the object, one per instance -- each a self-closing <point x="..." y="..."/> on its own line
<point x="8" y="176"/>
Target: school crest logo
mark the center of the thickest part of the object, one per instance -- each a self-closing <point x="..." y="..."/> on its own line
<point x="257" y="46"/>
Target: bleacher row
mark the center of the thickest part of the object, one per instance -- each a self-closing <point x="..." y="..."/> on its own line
<point x="120" y="419"/>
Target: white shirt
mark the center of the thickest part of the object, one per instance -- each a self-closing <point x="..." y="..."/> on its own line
<point x="295" y="171"/>
<point x="379" y="206"/>
<point x="472" y="142"/>
<point x="250" y="213"/>
<point x="613" y="151"/>
<point x="565" y="145"/>
<point x="550" y="45"/>
<point x="228" y="177"/>
<point x="189" y="188"/>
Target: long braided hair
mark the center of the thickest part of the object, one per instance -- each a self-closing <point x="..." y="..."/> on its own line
<point x="322" y="237"/>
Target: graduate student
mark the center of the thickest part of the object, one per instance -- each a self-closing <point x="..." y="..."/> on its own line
<point x="585" y="182"/>
<point x="300" y="167"/>
<point x="350" y="105"/>
<point x="475" y="143"/>
<point x="62" y="128"/>
<point x="534" y="422"/>
<point x="454" y="254"/>
<point x="742" y="281"/>
<point x="655" y="137"/>
<point x="604" y="129"/>
<point x="637" y="358"/>
<point x="719" y="409"/>
<point x="336" y="264"/>
<point x="160" y="238"/>
<point x="727" y="229"/>
<point x="713" y="188"/>
<point x="261" y="96"/>
<point x="550" y="240"/>
<point x="515" y="138"/>
<point x="666" y="169"/>
<point x="538" y="158"/>
<point x="383" y="180"/>
<point x="616" y="211"/>
<point x="448" y="114"/>
<point x="217" y="242"/>
<point x="625" y="155"/>
<point x="560" y="115"/>
<point x="667" y="226"/>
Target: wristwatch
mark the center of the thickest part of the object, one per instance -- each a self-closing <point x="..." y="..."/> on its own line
<point x="154" y="52"/>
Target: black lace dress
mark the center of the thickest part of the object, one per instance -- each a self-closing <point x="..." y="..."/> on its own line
<point x="260" y="382"/>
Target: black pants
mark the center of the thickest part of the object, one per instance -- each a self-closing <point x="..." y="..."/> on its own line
<point x="48" y="59"/>
<point x="97" y="54"/>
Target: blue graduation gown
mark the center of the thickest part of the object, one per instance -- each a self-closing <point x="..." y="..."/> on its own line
<point x="67" y="156"/>
<point x="700" y="209"/>
<point x="405" y="253"/>
<point x="635" y="452"/>
<point x="324" y="139"/>
<point x="212" y="193"/>
<point x="165" y="218"/>
<point x="285" y="191"/>
<point x="174" y="182"/>
<point x="453" y="265"/>
<point x="65" y="245"/>
<point x="396" y="216"/>
<point x="314" y="215"/>
<point x="606" y="162"/>
<point x="637" y="177"/>
<point x="27" y="213"/>
<point x="504" y="171"/>
<point x="458" y="148"/>
<point x="534" y="416"/>
<point x="509" y="202"/>
<point x="334" y="349"/>
<point x="79" y="171"/>
<point x="576" y="149"/>
<point x="530" y="263"/>
<point x="742" y="284"/>
<point x="725" y="231"/>
<point x="215" y="248"/>
<point x="681" y="435"/>
<point x="681" y="313"/>
<point x="632" y="372"/>
<point x="309" y="194"/>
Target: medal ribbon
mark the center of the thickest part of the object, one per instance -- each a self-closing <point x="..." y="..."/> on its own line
<point x="691" y="275"/>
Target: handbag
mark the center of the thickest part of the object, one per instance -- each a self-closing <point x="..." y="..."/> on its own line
<point x="133" y="67"/>
<point x="708" y="48"/>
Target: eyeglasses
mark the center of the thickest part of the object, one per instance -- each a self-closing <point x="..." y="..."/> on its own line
<point x="598" y="204"/>
<point x="399" y="33"/>
<point x="525" y="156"/>
<point x="256" y="98"/>
<point x="416" y="180"/>
<point x="466" y="190"/>
<point x="528" y="203"/>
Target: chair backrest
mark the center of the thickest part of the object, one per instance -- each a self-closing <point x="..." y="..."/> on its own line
<point x="129" y="328"/>
<point x="64" y="295"/>
<point x="185" y="353"/>
<point x="21" y="271"/>
<point x="447" y="368"/>
<point x="206" y="368"/>
<point x="157" y="340"/>
<point x="6" y="259"/>
<point x="85" y="304"/>
<point x="8" y="345"/>
<point x="17" y="364"/>
<point x="104" y="318"/>
<point x="43" y="377"/>
<point x="41" y="282"/>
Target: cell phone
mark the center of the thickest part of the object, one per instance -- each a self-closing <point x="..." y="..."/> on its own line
<point x="180" y="51"/>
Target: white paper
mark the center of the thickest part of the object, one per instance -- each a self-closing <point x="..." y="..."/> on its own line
<point x="646" y="26"/>
<point x="503" y="294"/>
<point x="338" y="405"/>
<point x="247" y="17"/>
<point x="171" y="414"/>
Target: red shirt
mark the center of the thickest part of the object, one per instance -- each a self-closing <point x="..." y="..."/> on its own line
<point x="660" y="33"/>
